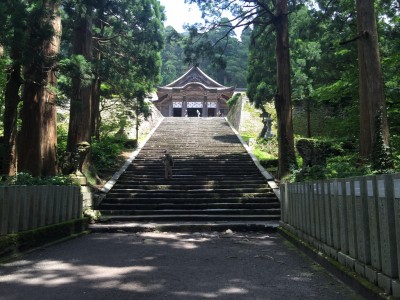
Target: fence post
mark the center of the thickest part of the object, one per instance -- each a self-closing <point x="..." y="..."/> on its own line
<point x="4" y="204"/>
<point x="70" y="204"/>
<point x="333" y="192"/>
<point x="14" y="207"/>
<point x="373" y="218"/>
<point x="344" y="240"/>
<point x="44" y="202"/>
<point x="321" y="206"/>
<point x="387" y="225"/>
<point x="328" y="214"/>
<point x="362" y="224"/>
<point x="396" y="186"/>
<point x="25" y="206"/>
<point x="351" y="218"/>
<point x="302" y="211"/>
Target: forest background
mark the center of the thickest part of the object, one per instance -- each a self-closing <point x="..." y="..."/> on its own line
<point x="110" y="54"/>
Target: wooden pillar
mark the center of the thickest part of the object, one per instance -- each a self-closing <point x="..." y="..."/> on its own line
<point x="205" y="107"/>
<point x="184" y="106"/>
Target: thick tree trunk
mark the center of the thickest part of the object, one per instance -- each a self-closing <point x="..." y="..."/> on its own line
<point x="95" y="123"/>
<point x="10" y="118"/>
<point x="37" y="154"/>
<point x="371" y="90"/>
<point x="81" y="101"/>
<point x="96" y="91"/>
<point x="283" y="102"/>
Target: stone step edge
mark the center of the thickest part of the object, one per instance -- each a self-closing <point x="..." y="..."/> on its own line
<point x="207" y="226"/>
<point x="127" y="163"/>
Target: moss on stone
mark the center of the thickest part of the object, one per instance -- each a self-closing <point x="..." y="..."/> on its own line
<point x="11" y="244"/>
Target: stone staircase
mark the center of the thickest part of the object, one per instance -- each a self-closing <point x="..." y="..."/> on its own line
<point x="214" y="179"/>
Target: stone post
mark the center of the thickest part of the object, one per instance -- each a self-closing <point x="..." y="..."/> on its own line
<point x="387" y="225"/>
<point x="333" y="192"/>
<point x="351" y="218"/>
<point x="344" y="241"/>
<point x="362" y="223"/>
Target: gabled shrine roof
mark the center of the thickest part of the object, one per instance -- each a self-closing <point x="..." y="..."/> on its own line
<point x="192" y="78"/>
<point x="195" y="76"/>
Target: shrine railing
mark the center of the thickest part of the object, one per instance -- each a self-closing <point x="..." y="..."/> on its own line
<point x="355" y="220"/>
<point x="29" y="207"/>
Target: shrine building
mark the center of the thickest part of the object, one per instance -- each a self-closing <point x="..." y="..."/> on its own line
<point x="193" y="94"/>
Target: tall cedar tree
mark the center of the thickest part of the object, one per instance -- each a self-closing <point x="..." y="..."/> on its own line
<point x="121" y="41"/>
<point x="14" y="17"/>
<point x="371" y="89"/>
<point x="81" y="101"/>
<point x="38" y="136"/>
<point x="275" y="14"/>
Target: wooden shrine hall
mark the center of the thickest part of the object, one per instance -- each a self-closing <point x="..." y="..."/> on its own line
<point x="193" y="94"/>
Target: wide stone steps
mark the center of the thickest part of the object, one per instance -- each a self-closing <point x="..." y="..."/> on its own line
<point x="192" y="206"/>
<point x="214" y="180"/>
<point x="193" y="218"/>
<point x="183" y="200"/>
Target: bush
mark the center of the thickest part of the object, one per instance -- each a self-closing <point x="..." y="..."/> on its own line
<point x="232" y="101"/>
<point x="105" y="152"/>
<point x="28" y="179"/>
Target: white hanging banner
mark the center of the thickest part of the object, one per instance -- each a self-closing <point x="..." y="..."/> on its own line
<point x="177" y="104"/>
<point x="195" y="105"/>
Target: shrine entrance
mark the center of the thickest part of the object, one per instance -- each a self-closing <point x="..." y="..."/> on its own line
<point x="192" y="112"/>
<point x="191" y="94"/>
<point x="193" y="107"/>
<point x="211" y="112"/>
<point x="177" y="112"/>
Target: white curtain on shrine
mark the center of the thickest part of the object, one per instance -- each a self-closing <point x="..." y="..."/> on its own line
<point x="195" y="105"/>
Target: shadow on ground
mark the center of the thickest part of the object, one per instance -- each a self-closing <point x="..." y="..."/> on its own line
<point x="169" y="266"/>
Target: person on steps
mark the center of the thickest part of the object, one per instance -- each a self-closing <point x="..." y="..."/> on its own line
<point x="168" y="162"/>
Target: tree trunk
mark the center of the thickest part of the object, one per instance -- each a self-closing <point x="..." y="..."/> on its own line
<point x="37" y="154"/>
<point x="283" y="102"/>
<point x="11" y="100"/>
<point x="371" y="90"/>
<point x="96" y="91"/>
<point x="81" y="102"/>
<point x="95" y="122"/>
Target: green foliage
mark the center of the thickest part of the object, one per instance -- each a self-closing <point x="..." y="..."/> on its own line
<point x="73" y="67"/>
<point x="27" y="179"/>
<point x="232" y="101"/>
<point x="105" y="152"/>
<point x="218" y="53"/>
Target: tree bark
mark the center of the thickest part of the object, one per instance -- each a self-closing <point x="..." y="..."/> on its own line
<point x="37" y="154"/>
<point x="81" y="102"/>
<point x="11" y="100"/>
<point x="95" y="122"/>
<point x="371" y="89"/>
<point x="283" y="102"/>
<point x="96" y="91"/>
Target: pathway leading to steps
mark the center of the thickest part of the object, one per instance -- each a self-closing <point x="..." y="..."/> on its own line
<point x="214" y="179"/>
<point x="176" y="266"/>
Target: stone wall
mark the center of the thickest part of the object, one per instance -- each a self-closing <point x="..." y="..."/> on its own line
<point x="235" y="112"/>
